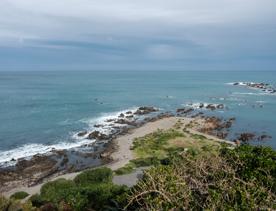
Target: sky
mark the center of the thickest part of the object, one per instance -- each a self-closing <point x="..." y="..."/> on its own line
<point x="137" y="34"/>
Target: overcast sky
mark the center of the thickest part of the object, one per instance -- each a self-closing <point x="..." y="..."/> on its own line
<point x="137" y="34"/>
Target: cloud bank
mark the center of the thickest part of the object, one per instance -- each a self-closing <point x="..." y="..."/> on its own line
<point x="144" y="34"/>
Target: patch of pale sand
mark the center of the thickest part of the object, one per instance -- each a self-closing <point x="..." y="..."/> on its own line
<point x="121" y="156"/>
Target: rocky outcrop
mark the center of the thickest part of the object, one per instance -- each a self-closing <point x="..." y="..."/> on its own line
<point x="265" y="87"/>
<point x="184" y="110"/>
<point x="97" y="135"/>
<point x="145" y="110"/>
<point x="82" y="133"/>
<point x="245" y="137"/>
<point x="264" y="137"/>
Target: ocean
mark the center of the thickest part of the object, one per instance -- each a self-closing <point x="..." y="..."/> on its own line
<point x="44" y="110"/>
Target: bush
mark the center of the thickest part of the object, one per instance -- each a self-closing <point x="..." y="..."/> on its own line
<point x="239" y="179"/>
<point x="92" y="189"/>
<point x="57" y="190"/>
<point x="19" y="195"/>
<point x="103" y="195"/>
<point x="36" y="200"/>
<point x="99" y="175"/>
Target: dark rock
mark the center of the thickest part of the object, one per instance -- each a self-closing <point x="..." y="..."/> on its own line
<point x="110" y="120"/>
<point x="184" y="110"/>
<point x="125" y="122"/>
<point x="145" y="110"/>
<point x="97" y="135"/>
<point x="98" y="125"/>
<point x="201" y="105"/>
<point x="211" y="107"/>
<point x="235" y="84"/>
<point x="264" y="137"/>
<point x="121" y="115"/>
<point x="129" y="112"/>
<point x="245" y="137"/>
<point x="220" y="106"/>
<point x="82" y="133"/>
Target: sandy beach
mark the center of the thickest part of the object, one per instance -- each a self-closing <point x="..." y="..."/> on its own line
<point x="122" y="155"/>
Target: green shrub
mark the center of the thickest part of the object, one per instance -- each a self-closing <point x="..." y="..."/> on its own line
<point x="236" y="179"/>
<point x="36" y="200"/>
<point x="103" y="195"/>
<point x="57" y="190"/>
<point x="99" y="175"/>
<point x="258" y="162"/>
<point x="19" y="195"/>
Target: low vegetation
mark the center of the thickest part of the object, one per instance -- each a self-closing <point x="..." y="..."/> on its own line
<point x="19" y="195"/>
<point x="186" y="172"/>
<point x="239" y="179"/>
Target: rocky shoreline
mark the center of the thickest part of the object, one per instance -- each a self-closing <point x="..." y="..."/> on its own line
<point x="265" y="87"/>
<point x="30" y="172"/>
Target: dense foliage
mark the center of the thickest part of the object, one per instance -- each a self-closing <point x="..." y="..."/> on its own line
<point x="239" y="179"/>
<point x="92" y="189"/>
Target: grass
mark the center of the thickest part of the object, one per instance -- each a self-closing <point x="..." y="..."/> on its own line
<point x="154" y="144"/>
<point x="155" y="148"/>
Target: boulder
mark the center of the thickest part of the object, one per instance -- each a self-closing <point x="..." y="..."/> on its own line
<point x="220" y="106"/>
<point x="244" y="137"/>
<point x="145" y="110"/>
<point x="211" y="107"/>
<point x="82" y="133"/>
<point x="97" y="135"/>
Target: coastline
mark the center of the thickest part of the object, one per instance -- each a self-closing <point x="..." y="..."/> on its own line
<point x="121" y="154"/>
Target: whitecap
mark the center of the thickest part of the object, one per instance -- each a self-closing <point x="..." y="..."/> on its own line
<point x="28" y="150"/>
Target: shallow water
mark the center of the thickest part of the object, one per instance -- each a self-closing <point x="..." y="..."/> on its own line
<point x="42" y="110"/>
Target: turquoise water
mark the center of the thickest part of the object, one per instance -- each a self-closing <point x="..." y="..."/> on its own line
<point x="40" y="110"/>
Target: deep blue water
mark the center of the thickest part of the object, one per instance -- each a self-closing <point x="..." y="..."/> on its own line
<point x="40" y="109"/>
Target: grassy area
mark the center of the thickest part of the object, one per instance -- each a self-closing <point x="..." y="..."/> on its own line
<point x="154" y="148"/>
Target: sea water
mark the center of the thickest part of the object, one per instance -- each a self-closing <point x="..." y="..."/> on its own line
<point x="44" y="110"/>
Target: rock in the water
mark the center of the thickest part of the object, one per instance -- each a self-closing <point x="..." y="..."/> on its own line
<point x="211" y="107"/>
<point x="121" y="115"/>
<point x="145" y="110"/>
<point x="201" y="105"/>
<point x="264" y="137"/>
<point x="220" y="106"/>
<point x="97" y="135"/>
<point x="244" y="137"/>
<point x="82" y="133"/>
<point x="184" y="110"/>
